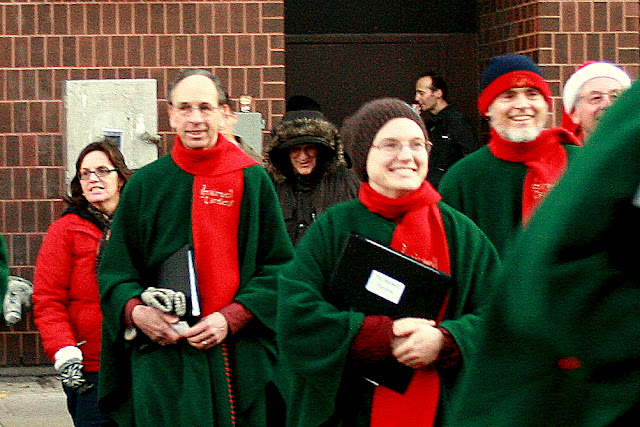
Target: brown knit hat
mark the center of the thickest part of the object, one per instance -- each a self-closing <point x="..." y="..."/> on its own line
<point x="359" y="130"/>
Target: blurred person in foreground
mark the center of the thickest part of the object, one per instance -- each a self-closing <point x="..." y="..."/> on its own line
<point x="562" y="338"/>
<point x="209" y="196"/>
<point x="66" y="300"/>
<point x="320" y="345"/>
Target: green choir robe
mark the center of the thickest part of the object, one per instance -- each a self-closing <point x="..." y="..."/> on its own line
<point x="314" y="337"/>
<point x="4" y="271"/>
<point x="489" y="191"/>
<point x="177" y="384"/>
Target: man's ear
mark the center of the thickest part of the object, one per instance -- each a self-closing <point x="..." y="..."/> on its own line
<point x="438" y="93"/>
<point x="227" y="111"/>
<point x="170" y="112"/>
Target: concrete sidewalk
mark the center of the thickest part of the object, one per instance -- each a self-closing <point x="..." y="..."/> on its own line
<point x="31" y="397"/>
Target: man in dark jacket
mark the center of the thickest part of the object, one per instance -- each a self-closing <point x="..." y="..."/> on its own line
<point x="305" y="159"/>
<point x="450" y="131"/>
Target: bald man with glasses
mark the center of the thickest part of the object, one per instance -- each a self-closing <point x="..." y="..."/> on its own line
<point x="588" y="93"/>
<point x="212" y="208"/>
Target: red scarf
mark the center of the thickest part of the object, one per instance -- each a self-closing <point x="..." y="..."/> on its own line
<point x="419" y="234"/>
<point x="545" y="157"/>
<point x="215" y="215"/>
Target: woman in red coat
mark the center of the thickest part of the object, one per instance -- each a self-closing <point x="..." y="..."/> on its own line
<point x="66" y="301"/>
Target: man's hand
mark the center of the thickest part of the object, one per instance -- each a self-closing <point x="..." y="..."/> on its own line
<point x="417" y="342"/>
<point x="208" y="332"/>
<point x="155" y="324"/>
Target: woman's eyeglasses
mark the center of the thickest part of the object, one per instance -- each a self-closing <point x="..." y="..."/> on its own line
<point x="101" y="172"/>
<point x="394" y="147"/>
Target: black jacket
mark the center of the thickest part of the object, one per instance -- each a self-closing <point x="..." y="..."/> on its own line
<point x="304" y="197"/>
<point x="453" y="137"/>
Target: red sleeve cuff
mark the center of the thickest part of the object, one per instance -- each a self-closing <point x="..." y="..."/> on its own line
<point x="373" y="342"/>
<point x="128" y="311"/>
<point x="450" y="353"/>
<point x="237" y="316"/>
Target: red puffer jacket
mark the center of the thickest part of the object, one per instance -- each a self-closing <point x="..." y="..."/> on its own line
<point x="65" y="292"/>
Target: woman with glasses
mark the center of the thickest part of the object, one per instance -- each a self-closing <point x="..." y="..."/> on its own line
<point x="305" y="160"/>
<point x="322" y="345"/>
<point x="66" y="301"/>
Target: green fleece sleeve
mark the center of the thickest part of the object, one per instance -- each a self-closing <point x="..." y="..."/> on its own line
<point x="474" y="261"/>
<point x="264" y="246"/>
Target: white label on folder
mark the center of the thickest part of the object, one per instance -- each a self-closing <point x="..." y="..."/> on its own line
<point x="385" y="287"/>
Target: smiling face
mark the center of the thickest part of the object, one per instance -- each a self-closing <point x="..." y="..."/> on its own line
<point x="194" y="112"/>
<point x="303" y="158"/>
<point x="518" y="114"/>
<point x="395" y="174"/>
<point x="595" y="96"/>
<point x="101" y="193"/>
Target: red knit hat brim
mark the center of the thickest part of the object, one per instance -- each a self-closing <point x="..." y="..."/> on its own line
<point x="514" y="79"/>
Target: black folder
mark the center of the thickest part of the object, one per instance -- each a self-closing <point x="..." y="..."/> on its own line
<point x="374" y="279"/>
<point x="178" y="273"/>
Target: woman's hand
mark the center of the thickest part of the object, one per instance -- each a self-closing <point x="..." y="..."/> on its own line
<point x="417" y="342"/>
<point x="208" y="332"/>
<point x="156" y="324"/>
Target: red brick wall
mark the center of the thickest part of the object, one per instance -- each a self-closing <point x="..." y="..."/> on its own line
<point x="43" y="43"/>
<point x="561" y="35"/>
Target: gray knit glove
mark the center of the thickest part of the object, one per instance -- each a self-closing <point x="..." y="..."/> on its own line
<point x="165" y="300"/>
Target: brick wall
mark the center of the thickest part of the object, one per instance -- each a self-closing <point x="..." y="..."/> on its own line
<point x="561" y="35"/>
<point x="43" y="43"/>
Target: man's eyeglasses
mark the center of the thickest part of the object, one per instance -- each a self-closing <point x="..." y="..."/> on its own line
<point x="596" y="97"/>
<point x="394" y="147"/>
<point x="205" y="109"/>
<point x="101" y="172"/>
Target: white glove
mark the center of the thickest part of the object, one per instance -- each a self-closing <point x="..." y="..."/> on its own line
<point x="68" y="363"/>
<point x="18" y="295"/>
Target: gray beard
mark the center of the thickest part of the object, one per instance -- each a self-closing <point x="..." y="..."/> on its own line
<point x="519" y="135"/>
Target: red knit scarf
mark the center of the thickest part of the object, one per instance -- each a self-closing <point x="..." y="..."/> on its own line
<point x="544" y="156"/>
<point x="215" y="214"/>
<point x="420" y="234"/>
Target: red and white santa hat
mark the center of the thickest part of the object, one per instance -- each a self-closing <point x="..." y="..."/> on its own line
<point x="591" y="70"/>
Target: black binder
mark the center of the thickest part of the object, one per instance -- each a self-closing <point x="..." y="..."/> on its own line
<point x="374" y="279"/>
<point x="178" y="272"/>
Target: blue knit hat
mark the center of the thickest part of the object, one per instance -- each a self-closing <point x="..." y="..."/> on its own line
<point x="510" y="71"/>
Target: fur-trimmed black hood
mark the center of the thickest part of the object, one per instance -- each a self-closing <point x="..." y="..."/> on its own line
<point x="299" y="129"/>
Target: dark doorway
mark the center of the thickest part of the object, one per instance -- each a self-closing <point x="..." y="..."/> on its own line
<point x="380" y="16"/>
<point x="343" y="53"/>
